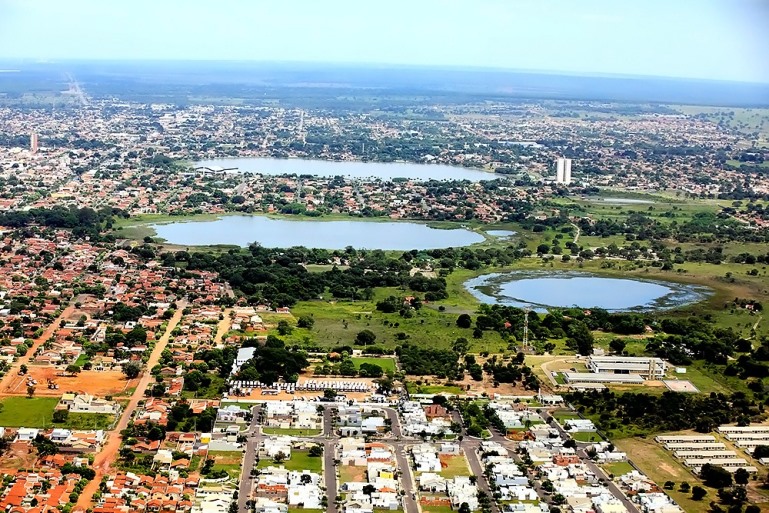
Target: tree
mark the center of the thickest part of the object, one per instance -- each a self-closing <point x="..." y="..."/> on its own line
<point x="460" y="345"/>
<point x="365" y="337"/>
<point x="73" y="369"/>
<point x="316" y="451"/>
<point x="715" y="477"/>
<point x="23" y="369"/>
<point x="580" y="338"/>
<point x="464" y="508"/>
<point x="305" y="321"/>
<point x="60" y="416"/>
<point x="752" y="509"/>
<point x="617" y="345"/>
<point x="329" y="394"/>
<point x="131" y="370"/>
<point x="284" y="328"/>
<point x="761" y="451"/>
<point x="30" y="391"/>
<point x="741" y="476"/>
<point x="347" y="368"/>
<point x="698" y="493"/>
<point x="464" y="321"/>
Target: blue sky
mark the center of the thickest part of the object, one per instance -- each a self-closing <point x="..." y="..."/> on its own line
<point x="715" y="39"/>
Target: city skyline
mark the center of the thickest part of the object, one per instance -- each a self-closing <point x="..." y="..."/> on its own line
<point x="593" y="37"/>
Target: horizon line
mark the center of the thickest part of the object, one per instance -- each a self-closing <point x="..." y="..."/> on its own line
<point x="445" y="67"/>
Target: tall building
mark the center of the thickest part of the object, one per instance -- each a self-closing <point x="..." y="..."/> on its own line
<point x="563" y="171"/>
<point x="33" y="142"/>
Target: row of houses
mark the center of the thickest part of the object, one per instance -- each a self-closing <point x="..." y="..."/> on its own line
<point x="297" y="489"/>
<point x="431" y="419"/>
<point x="379" y="488"/>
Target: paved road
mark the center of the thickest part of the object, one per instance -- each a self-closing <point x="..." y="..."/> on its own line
<point x="329" y="464"/>
<point x="471" y="455"/>
<point x="254" y="440"/>
<point x="598" y="471"/>
<point x="109" y="451"/>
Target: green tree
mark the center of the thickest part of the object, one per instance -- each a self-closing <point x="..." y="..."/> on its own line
<point x="464" y="321"/>
<point x="698" y="493"/>
<point x="365" y="337"/>
<point x="131" y="370"/>
<point x="73" y="369"/>
<point x="60" y="416"/>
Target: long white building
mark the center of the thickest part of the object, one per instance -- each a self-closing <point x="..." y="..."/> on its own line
<point x="648" y="368"/>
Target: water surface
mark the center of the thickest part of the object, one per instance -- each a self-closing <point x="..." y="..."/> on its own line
<point x="543" y="289"/>
<point x="352" y="169"/>
<point x="284" y="233"/>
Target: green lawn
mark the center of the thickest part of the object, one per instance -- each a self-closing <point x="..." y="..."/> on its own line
<point x="290" y="431"/>
<point x="586" y="437"/>
<point x="457" y="466"/>
<point x="300" y="460"/>
<point x="618" y="469"/>
<point x="23" y="412"/>
<point x="387" y="364"/>
<point x="88" y="421"/>
<point x="437" y="509"/>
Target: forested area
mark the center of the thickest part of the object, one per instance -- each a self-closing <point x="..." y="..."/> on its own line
<point x="279" y="277"/>
<point x="667" y="412"/>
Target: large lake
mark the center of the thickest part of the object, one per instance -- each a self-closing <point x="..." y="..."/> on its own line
<point x="356" y="169"/>
<point x="283" y="233"/>
<point x="542" y="289"/>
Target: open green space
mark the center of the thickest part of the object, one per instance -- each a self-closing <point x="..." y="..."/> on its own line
<point x="300" y="460"/>
<point x="436" y="509"/>
<point x="24" y="412"/>
<point x="229" y="461"/>
<point x="387" y="364"/>
<point x="88" y="421"/>
<point x="661" y="466"/>
<point x="619" y="468"/>
<point x="582" y="436"/>
<point x="456" y="466"/>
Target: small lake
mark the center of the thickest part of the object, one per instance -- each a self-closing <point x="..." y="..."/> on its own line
<point x="284" y="233"/>
<point x="502" y="234"/>
<point x="354" y="169"/>
<point x="543" y="289"/>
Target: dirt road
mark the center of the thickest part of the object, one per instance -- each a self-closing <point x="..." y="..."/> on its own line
<point x="109" y="451"/>
<point x="11" y="380"/>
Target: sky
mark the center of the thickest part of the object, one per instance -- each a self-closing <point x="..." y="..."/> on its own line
<point x="710" y="39"/>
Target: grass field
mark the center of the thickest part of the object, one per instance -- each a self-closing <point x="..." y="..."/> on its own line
<point x="300" y="460"/>
<point x="436" y="509"/>
<point x="349" y="473"/>
<point x="88" y="421"/>
<point x="387" y="364"/>
<point x="660" y="466"/>
<point x="290" y="431"/>
<point x="586" y="437"/>
<point x="456" y="465"/>
<point x="227" y="460"/>
<point x="618" y="469"/>
<point x="23" y="412"/>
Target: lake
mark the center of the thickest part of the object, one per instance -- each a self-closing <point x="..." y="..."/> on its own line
<point x="542" y="289"/>
<point x="284" y="233"/>
<point x="502" y="234"/>
<point x="355" y="169"/>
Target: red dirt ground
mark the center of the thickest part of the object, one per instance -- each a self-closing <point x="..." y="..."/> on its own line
<point x="97" y="383"/>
